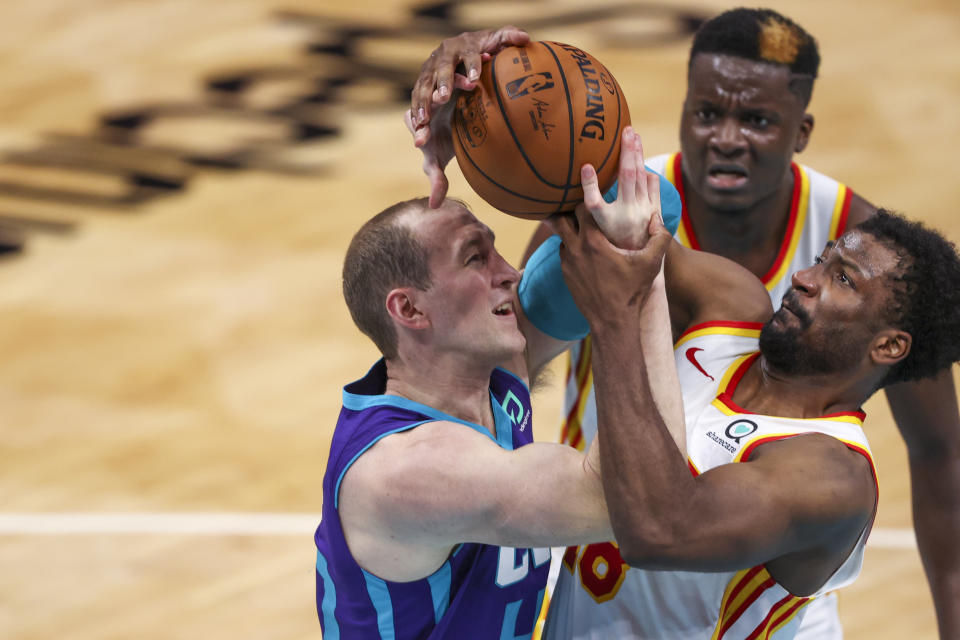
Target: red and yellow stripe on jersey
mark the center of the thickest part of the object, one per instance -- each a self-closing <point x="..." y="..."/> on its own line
<point x="819" y="207"/>
<point x="745" y="588"/>
<point x="580" y="378"/>
<point x="818" y="214"/>
<point x="598" y="596"/>
<point x="726" y="328"/>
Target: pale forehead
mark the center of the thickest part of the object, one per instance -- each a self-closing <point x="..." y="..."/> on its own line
<point x="445" y="224"/>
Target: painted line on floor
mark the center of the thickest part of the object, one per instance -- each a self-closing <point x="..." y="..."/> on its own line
<point x="243" y="524"/>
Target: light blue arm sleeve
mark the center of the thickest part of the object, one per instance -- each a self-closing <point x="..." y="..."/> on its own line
<point x="544" y="295"/>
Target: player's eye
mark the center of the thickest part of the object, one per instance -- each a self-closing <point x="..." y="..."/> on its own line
<point x="758" y="121"/>
<point x="818" y="260"/>
<point x="706" y="114"/>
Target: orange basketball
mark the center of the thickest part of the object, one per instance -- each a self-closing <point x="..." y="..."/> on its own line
<point x="540" y="113"/>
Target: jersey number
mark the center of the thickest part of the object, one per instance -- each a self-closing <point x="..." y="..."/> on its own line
<point x="513" y="566"/>
<point x="600" y="567"/>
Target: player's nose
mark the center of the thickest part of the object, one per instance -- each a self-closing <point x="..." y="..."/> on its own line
<point x="504" y="274"/>
<point x="726" y="137"/>
<point x="805" y="281"/>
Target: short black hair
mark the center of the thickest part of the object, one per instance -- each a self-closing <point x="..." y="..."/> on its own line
<point x="762" y="35"/>
<point x="926" y="294"/>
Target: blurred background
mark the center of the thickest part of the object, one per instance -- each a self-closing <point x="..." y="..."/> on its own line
<point x="178" y="184"/>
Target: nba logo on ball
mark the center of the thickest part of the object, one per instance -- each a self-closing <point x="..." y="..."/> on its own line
<point x="539" y="113"/>
<point x="526" y="84"/>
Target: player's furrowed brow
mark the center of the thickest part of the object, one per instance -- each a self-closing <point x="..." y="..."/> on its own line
<point x="851" y="266"/>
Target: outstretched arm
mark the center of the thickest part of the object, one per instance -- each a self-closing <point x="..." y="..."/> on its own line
<point x="928" y="419"/>
<point x="414" y="495"/>
<point x="552" y="311"/>
<point x="626" y="222"/>
<point x="927" y="416"/>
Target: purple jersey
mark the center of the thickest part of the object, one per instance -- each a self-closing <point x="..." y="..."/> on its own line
<point x="481" y="591"/>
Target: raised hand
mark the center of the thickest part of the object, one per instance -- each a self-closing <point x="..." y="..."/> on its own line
<point x="438" y="77"/>
<point x="625" y="220"/>
<point x="430" y="113"/>
<point x="612" y="253"/>
<point x="437" y="150"/>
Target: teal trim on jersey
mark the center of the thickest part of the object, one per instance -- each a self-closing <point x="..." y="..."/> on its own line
<point x="380" y="598"/>
<point x="331" y="630"/>
<point x="440" y="590"/>
<point x="509" y="625"/>
<point x="356" y="402"/>
<point x="515" y="377"/>
<point x="503" y="424"/>
<point x="336" y="488"/>
<point x="501" y="420"/>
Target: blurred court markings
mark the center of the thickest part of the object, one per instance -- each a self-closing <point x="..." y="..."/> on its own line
<point x="279" y="524"/>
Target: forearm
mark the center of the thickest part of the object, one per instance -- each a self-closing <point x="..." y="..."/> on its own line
<point x="561" y="504"/>
<point x="936" y="519"/>
<point x="644" y="476"/>
<point x="927" y="416"/>
<point x="658" y="354"/>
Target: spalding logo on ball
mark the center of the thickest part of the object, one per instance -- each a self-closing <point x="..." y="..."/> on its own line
<point x="540" y="113"/>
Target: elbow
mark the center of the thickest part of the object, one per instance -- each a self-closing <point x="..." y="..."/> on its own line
<point x="648" y="546"/>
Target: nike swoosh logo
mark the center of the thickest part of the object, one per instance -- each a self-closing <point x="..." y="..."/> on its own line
<point x="692" y="357"/>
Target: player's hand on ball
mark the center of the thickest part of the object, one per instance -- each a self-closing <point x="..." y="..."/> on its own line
<point x="438" y="77"/>
<point x="430" y="113"/>
<point x="625" y="220"/>
<point x="437" y="152"/>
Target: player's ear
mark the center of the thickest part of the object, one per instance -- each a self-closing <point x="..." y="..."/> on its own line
<point x="803" y="136"/>
<point x="402" y="307"/>
<point x="890" y="347"/>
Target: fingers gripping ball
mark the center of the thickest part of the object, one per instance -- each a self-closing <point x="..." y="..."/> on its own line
<point x="540" y="113"/>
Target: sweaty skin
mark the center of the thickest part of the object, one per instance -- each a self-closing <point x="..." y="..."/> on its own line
<point x="740" y="127"/>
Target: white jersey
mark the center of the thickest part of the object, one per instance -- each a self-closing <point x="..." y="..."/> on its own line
<point x="818" y="214"/>
<point x="597" y="596"/>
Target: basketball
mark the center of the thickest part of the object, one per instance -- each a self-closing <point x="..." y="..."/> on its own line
<point x="539" y="113"/>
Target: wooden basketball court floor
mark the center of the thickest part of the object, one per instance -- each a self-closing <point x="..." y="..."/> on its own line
<point x="184" y="178"/>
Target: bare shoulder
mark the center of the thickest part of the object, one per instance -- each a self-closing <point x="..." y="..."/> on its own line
<point x="427" y="472"/>
<point x="837" y="480"/>
<point x="860" y="210"/>
<point x="403" y="501"/>
<point x="703" y="287"/>
<point x="404" y="467"/>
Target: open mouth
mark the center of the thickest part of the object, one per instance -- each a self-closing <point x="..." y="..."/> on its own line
<point x="726" y="177"/>
<point x="505" y="309"/>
